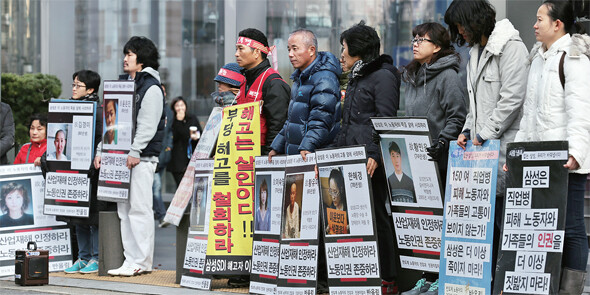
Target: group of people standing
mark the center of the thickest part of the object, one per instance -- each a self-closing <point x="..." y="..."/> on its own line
<point x="504" y="82"/>
<point x="511" y="95"/>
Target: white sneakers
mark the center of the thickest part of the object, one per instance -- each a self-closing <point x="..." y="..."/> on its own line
<point x="127" y="271"/>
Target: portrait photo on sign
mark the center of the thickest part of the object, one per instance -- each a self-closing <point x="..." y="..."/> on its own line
<point x="262" y="216"/>
<point x="292" y="200"/>
<point x="199" y="202"/>
<point x="398" y="170"/>
<point x="110" y="121"/>
<point x="334" y="205"/>
<point x="58" y="136"/>
<point x="16" y="203"/>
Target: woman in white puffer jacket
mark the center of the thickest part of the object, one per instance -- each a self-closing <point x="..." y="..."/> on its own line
<point x="556" y="111"/>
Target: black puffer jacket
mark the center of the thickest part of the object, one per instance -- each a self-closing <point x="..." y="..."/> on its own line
<point x="373" y="92"/>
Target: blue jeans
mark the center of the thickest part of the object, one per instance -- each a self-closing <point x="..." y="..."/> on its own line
<point x="87" y="241"/>
<point x="159" y="208"/>
<point x="575" y="251"/>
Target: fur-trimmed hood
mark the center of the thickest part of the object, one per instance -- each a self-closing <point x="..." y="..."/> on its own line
<point x="503" y="32"/>
<point x="580" y="44"/>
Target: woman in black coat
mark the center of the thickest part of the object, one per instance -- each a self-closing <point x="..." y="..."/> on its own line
<point x="373" y="91"/>
<point x="181" y="135"/>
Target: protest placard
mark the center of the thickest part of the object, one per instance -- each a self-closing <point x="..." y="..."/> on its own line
<point x="196" y="244"/>
<point x="118" y="131"/>
<point x="529" y="260"/>
<point x="22" y="219"/>
<point x="270" y="182"/>
<point x="70" y="138"/>
<point x="348" y="216"/>
<point x="206" y="143"/>
<point x="415" y="190"/>
<point x="202" y="151"/>
<point x="468" y="223"/>
<point x="229" y="250"/>
<point x="299" y="229"/>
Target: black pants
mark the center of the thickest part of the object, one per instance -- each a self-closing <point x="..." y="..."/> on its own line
<point x="384" y="225"/>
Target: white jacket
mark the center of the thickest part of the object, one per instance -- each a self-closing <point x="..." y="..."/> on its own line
<point x="496" y="84"/>
<point x="552" y="112"/>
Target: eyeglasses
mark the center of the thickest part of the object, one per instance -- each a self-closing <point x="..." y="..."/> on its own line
<point x="74" y="85"/>
<point x="420" y="40"/>
<point x="334" y="192"/>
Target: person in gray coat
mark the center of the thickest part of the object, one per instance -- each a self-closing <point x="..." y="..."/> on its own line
<point x="497" y="74"/>
<point x="434" y="89"/>
<point x="6" y="131"/>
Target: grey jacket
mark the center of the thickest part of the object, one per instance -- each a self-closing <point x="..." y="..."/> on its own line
<point x="6" y="131"/>
<point x="496" y="86"/>
<point x="435" y="92"/>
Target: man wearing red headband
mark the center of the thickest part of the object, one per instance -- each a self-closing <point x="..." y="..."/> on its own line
<point x="263" y="83"/>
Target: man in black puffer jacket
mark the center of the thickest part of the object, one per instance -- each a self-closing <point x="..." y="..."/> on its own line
<point x="314" y="111"/>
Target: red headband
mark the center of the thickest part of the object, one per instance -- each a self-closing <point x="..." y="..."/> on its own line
<point x="252" y="43"/>
<point x="231" y="75"/>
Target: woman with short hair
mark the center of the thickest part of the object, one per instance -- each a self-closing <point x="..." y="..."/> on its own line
<point x="372" y="91"/>
<point x="85" y="88"/>
<point x="182" y="136"/>
<point x="14" y="202"/>
<point x="434" y="91"/>
<point x="32" y="152"/>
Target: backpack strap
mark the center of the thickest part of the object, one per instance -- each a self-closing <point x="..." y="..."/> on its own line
<point x="561" y="74"/>
<point x="28" y="152"/>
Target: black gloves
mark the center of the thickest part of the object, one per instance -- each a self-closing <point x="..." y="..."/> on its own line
<point x="437" y="149"/>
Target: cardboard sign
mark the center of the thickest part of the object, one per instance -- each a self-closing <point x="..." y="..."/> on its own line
<point x="202" y="151"/>
<point x="415" y="191"/>
<point x="533" y="223"/>
<point x="22" y="189"/>
<point x="299" y="227"/>
<point x="231" y="218"/>
<point x="352" y="255"/>
<point x="196" y="243"/>
<point x="118" y="131"/>
<point x="337" y="222"/>
<point x="70" y="150"/>
<point x="208" y="139"/>
<point x="270" y="182"/>
<point x="468" y="221"/>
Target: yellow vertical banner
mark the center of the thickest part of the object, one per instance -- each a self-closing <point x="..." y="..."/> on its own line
<point x="229" y="247"/>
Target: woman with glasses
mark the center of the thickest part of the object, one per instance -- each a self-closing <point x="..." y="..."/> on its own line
<point x="372" y="91"/>
<point x="434" y="91"/>
<point x="337" y="193"/>
<point x="556" y="108"/>
<point x="85" y="88"/>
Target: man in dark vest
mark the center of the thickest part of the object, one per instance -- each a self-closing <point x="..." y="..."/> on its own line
<point x="137" y="217"/>
<point x="263" y="83"/>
